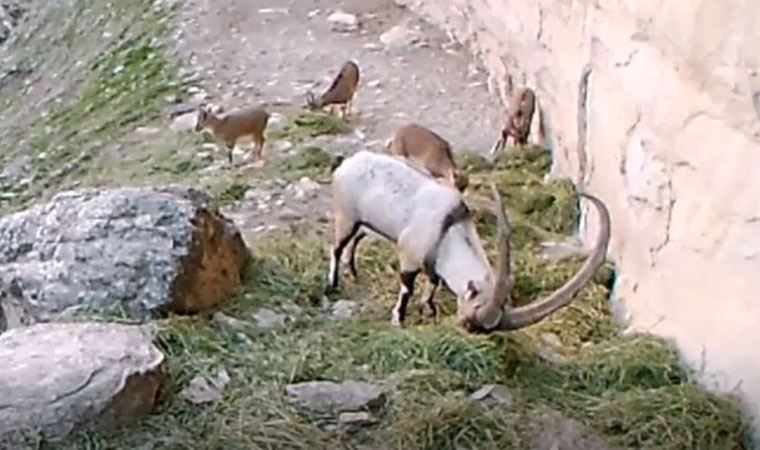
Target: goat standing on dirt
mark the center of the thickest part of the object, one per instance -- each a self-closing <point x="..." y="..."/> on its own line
<point x="517" y="119"/>
<point x="230" y="128"/>
<point x="434" y="231"/>
<point x="341" y="91"/>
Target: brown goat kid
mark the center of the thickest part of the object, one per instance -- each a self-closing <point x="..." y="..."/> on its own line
<point x="426" y="148"/>
<point x="233" y="126"/>
<point x="341" y="91"/>
<point x="518" y="119"/>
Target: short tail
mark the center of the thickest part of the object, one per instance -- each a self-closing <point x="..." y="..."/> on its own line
<point x="337" y="162"/>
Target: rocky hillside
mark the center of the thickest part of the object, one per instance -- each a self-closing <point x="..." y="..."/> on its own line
<point x="153" y="296"/>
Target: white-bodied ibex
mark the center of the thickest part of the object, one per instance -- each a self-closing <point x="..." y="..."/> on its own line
<point x="235" y="125"/>
<point x="431" y="152"/>
<point x="341" y="91"/>
<point x="517" y="119"/>
<point x="434" y="232"/>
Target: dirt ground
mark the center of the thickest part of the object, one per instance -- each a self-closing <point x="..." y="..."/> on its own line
<point x="260" y="52"/>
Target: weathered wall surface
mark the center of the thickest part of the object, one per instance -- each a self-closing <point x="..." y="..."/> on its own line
<point x="655" y="107"/>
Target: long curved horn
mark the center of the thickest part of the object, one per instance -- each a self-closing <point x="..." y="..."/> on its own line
<point x="502" y="286"/>
<point x="491" y="314"/>
<point x="521" y="317"/>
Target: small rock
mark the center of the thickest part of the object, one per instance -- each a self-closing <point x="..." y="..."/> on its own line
<point x="399" y="36"/>
<point x="313" y="13"/>
<point x="200" y="97"/>
<point x="331" y="397"/>
<point x="373" y="83"/>
<point x="206" y="390"/>
<point x="228" y="323"/>
<point x="291" y="308"/>
<point x="266" y="319"/>
<point x="493" y="394"/>
<point x="284" y="11"/>
<point x="184" y="122"/>
<point x="548" y="349"/>
<point x="355" y="419"/>
<point x="283" y="146"/>
<point x="343" y="21"/>
<point x="146" y="131"/>
<point x="344" y="309"/>
<point x="288" y="215"/>
<point x="373" y="46"/>
<point x="553" y="431"/>
<point x="551" y="339"/>
<point x="306" y="187"/>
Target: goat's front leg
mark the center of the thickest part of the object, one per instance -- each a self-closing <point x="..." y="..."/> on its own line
<point x="428" y="298"/>
<point x="406" y="291"/>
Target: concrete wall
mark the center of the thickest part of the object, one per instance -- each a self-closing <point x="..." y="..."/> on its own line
<point x="653" y="105"/>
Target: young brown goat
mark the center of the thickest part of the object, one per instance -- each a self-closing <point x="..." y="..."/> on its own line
<point x="518" y="118"/>
<point x="233" y="126"/>
<point x="341" y="91"/>
<point x="426" y="148"/>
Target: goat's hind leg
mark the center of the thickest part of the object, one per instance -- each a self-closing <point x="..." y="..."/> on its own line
<point x="344" y="230"/>
<point x="352" y="253"/>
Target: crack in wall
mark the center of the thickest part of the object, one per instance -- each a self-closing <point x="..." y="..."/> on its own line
<point x="540" y="32"/>
<point x="582" y="122"/>
<point x="624" y="154"/>
<point x="655" y="250"/>
<point x="628" y="60"/>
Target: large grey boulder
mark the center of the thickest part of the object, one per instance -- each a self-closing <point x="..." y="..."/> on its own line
<point x="10" y="15"/>
<point x="57" y="378"/>
<point x="140" y="250"/>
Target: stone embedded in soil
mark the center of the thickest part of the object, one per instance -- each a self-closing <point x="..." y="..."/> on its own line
<point x="399" y="36"/>
<point x="304" y="189"/>
<point x="288" y="215"/>
<point x="355" y="419"/>
<point x="343" y="21"/>
<point x="549" y="349"/>
<point x="266" y="319"/>
<point x="228" y="323"/>
<point x="206" y="389"/>
<point x="141" y="250"/>
<point x="553" y="431"/>
<point x="185" y="122"/>
<point x="494" y="395"/>
<point x="331" y="397"/>
<point x="344" y="309"/>
<point x="59" y="378"/>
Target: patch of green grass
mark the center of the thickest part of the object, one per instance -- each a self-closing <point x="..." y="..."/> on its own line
<point x="124" y="86"/>
<point x="309" y="125"/>
<point x="630" y="389"/>
<point x="233" y="192"/>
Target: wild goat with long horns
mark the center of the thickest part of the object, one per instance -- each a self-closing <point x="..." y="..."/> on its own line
<point x="434" y="232"/>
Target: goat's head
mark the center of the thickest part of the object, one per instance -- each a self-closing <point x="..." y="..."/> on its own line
<point x="479" y="307"/>
<point x="201" y="119"/>
<point x="485" y="305"/>
<point x="311" y="101"/>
